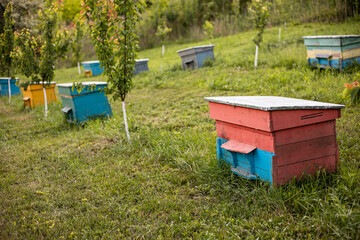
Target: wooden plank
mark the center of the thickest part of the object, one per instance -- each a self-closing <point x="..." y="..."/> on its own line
<point x="295" y="118"/>
<point x="304" y="133"/>
<point x="287" y="173"/>
<point x="305" y="150"/>
<point x="252" y="118"/>
<point x="261" y="139"/>
<point x="239" y="147"/>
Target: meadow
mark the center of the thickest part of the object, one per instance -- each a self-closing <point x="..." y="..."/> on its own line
<point x="64" y="181"/>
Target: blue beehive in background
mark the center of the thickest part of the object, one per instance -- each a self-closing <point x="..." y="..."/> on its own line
<point x="93" y="66"/>
<point x="141" y="66"/>
<point x="336" y="51"/>
<point x="4" y="87"/>
<point x="90" y="102"/>
<point x="194" y="57"/>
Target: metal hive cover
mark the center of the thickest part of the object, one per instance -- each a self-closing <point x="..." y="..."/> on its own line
<point x="271" y="103"/>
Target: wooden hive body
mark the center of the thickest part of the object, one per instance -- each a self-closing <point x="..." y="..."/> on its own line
<point x="285" y="141"/>
<point x="4" y="87"/>
<point x="194" y="57"/>
<point x="34" y="94"/>
<point x="88" y="103"/>
<point x="336" y="51"/>
<point x="93" y="66"/>
<point x="141" y="65"/>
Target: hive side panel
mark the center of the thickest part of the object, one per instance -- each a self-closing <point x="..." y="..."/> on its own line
<point x="91" y="105"/>
<point x="201" y="56"/>
<point x="305" y="150"/>
<point x="248" y="117"/>
<point x="302" y="169"/>
<point x="304" y="133"/>
<point x="261" y="139"/>
<point x="295" y="118"/>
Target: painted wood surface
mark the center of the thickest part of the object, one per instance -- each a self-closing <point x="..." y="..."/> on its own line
<point x="141" y="65"/>
<point x="90" y="102"/>
<point x="341" y="51"/>
<point x="194" y="57"/>
<point x="4" y="87"/>
<point x="297" y="170"/>
<point x="261" y="139"/>
<point x="270" y="121"/>
<point x="34" y="95"/>
<point x="93" y="66"/>
<point x="276" y="146"/>
<point x="256" y="162"/>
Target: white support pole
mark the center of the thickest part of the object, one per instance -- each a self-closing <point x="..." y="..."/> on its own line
<point x="279" y="34"/>
<point x="256" y="56"/>
<point x="9" y="89"/>
<point x="78" y="64"/>
<point x="162" y="55"/>
<point x="125" y="120"/>
<point x="45" y="99"/>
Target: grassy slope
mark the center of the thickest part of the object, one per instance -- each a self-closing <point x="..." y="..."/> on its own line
<point x="63" y="181"/>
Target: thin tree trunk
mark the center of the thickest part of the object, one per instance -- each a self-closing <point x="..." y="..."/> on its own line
<point x="78" y="64"/>
<point x="279" y="34"/>
<point x="125" y="120"/>
<point x="45" y="99"/>
<point x="162" y="55"/>
<point x="9" y="89"/>
<point x="256" y="56"/>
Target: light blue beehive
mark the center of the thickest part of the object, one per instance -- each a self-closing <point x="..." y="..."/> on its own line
<point x="194" y="57"/>
<point x="88" y="103"/>
<point x="93" y="66"/>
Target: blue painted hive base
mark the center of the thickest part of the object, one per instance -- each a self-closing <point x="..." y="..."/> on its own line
<point x="256" y="164"/>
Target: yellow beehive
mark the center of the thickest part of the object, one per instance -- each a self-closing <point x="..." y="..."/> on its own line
<point x="34" y="95"/>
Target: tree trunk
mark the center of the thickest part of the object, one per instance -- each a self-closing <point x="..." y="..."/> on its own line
<point x="256" y="55"/>
<point x="79" y="68"/>
<point x="9" y="89"/>
<point x="45" y="99"/>
<point x="125" y="120"/>
<point x="279" y="34"/>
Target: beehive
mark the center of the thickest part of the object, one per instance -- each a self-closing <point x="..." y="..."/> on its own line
<point x="90" y="102"/>
<point x="194" y="57"/>
<point x="93" y="66"/>
<point x="275" y="139"/>
<point x="141" y="65"/>
<point x="4" y="87"/>
<point x="34" y="94"/>
<point x="336" y="51"/>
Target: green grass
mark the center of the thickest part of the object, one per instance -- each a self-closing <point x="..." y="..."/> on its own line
<point x="60" y="181"/>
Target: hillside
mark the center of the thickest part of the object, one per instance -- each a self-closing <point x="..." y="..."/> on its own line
<point x="68" y="181"/>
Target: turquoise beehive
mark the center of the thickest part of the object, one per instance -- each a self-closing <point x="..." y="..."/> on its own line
<point x="4" y="87"/>
<point x="93" y="66"/>
<point x="90" y="102"/>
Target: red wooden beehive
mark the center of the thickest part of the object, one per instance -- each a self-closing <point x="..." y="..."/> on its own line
<point x="275" y="139"/>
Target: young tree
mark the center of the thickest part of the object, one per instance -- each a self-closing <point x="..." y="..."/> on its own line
<point x="37" y="55"/>
<point x="259" y="12"/>
<point x="76" y="46"/>
<point x="7" y="46"/>
<point x="162" y="33"/>
<point x="112" y="28"/>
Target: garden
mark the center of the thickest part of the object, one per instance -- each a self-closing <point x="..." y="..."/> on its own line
<point x="149" y="169"/>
